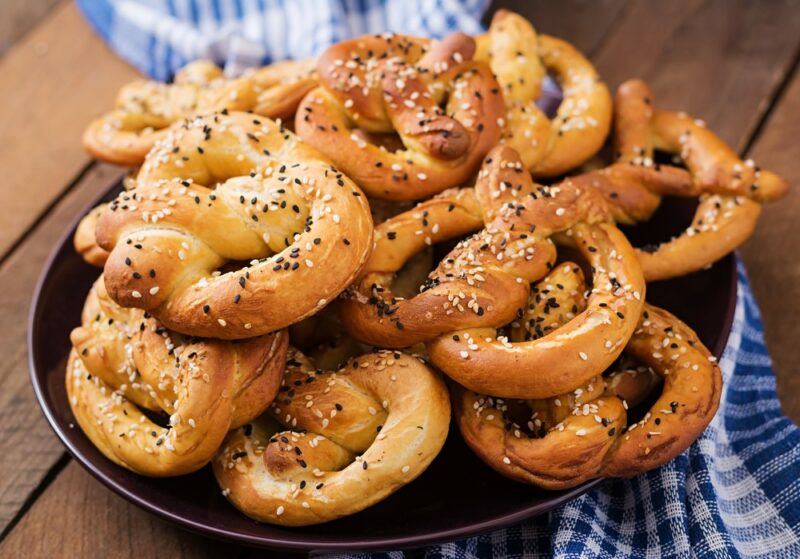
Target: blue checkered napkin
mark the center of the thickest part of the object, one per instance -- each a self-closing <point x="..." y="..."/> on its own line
<point x="161" y="36"/>
<point x="734" y="493"/>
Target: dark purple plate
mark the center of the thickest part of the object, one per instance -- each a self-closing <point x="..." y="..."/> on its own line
<point x="458" y="496"/>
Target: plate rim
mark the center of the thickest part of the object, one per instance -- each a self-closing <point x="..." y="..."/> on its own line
<point x="297" y="543"/>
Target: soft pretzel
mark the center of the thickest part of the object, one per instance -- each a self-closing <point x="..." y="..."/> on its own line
<point x="731" y="191"/>
<point x="372" y="86"/>
<point x="85" y="240"/>
<point x="145" y="109"/>
<point x="486" y="362"/>
<point x="521" y="59"/>
<point x="234" y="187"/>
<point x="339" y="442"/>
<point x="123" y="362"/>
<point x="583" y="435"/>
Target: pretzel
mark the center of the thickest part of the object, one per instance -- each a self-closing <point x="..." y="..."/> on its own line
<point x="234" y="187"/>
<point x="85" y="241"/>
<point x="521" y="59"/>
<point x="730" y="190"/>
<point x="583" y="435"/>
<point x="486" y="362"/>
<point x="123" y="362"/>
<point x="372" y="86"/>
<point x="145" y="109"/>
<point x="339" y="441"/>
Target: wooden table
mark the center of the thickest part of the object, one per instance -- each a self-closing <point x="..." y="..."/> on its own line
<point x="734" y="64"/>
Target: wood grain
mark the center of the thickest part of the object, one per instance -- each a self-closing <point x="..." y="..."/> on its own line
<point x="17" y="17"/>
<point x="27" y="446"/>
<point x="78" y="517"/>
<point x="54" y="81"/>
<point x="720" y="60"/>
<point x="771" y="254"/>
<point x="584" y="23"/>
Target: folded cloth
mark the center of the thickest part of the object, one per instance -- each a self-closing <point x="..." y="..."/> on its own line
<point x="160" y="36"/>
<point x="734" y="493"/>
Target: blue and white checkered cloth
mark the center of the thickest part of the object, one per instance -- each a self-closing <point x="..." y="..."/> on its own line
<point x="734" y="493"/>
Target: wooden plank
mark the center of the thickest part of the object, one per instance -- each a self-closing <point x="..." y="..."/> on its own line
<point x="17" y="17"/>
<point x="718" y="60"/>
<point x="584" y="23"/>
<point x="54" y="81"/>
<point x="78" y="517"/>
<point x="771" y="254"/>
<point x="27" y="446"/>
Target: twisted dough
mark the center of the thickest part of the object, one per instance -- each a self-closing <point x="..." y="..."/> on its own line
<point x="377" y="85"/>
<point x="145" y="109"/>
<point x="486" y="362"/>
<point x="521" y="59"/>
<point x="340" y="441"/>
<point x="234" y="187"/>
<point x="731" y="191"/>
<point x="123" y="362"/>
<point x="583" y="435"/>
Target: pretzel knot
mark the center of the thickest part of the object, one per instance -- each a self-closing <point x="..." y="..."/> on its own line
<point x="351" y="438"/>
<point x="145" y="109"/>
<point x="374" y="86"/>
<point x="584" y="434"/>
<point x="123" y="362"/>
<point x="223" y="189"/>
<point x="521" y="59"/>
<point x="730" y="190"/>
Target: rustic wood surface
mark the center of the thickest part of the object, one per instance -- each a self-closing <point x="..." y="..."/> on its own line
<point x="734" y="64"/>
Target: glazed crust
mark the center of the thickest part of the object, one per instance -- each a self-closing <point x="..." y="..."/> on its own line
<point x="393" y="83"/>
<point x="234" y="187"/>
<point x="124" y="362"/>
<point x="591" y="439"/>
<point x="520" y="58"/>
<point x="354" y="437"/>
<point x="145" y="109"/>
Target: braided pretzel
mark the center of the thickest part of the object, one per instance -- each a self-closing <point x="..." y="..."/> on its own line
<point x="387" y="83"/>
<point x="583" y="435"/>
<point x="351" y="438"/>
<point x="145" y="109"/>
<point x="521" y="59"/>
<point x="486" y="362"/>
<point x="302" y="225"/>
<point x="123" y="361"/>
<point x="731" y="191"/>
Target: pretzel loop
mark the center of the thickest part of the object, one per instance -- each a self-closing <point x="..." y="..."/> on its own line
<point x="145" y="109"/>
<point x="730" y="190"/>
<point x="353" y="437"/>
<point x="574" y="437"/>
<point x="233" y="187"/>
<point x="521" y="59"/>
<point x="564" y="359"/>
<point x="378" y="85"/>
<point x="124" y="362"/>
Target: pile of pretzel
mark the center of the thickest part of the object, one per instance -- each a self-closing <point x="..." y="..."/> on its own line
<point x="316" y="265"/>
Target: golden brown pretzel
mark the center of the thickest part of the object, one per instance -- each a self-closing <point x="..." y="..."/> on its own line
<point x="583" y="435"/>
<point x="565" y="358"/>
<point x="520" y="58"/>
<point x="85" y="240"/>
<point x="731" y="191"/>
<point x="145" y="109"/>
<point x="234" y="187"/>
<point x="341" y="441"/>
<point x="123" y="361"/>
<point x="378" y="85"/>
